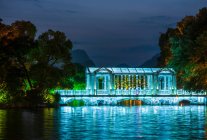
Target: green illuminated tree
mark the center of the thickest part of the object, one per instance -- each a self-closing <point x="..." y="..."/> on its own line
<point x="31" y="67"/>
<point x="50" y="61"/>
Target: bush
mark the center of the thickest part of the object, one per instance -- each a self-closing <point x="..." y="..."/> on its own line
<point x="4" y="96"/>
<point x="76" y="103"/>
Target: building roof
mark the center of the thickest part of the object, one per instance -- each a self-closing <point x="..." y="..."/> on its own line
<point x="116" y="70"/>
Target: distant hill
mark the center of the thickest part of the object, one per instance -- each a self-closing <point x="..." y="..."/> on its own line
<point x="81" y="57"/>
<point x="152" y="62"/>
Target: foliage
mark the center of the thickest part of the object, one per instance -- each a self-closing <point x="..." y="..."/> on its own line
<point x="16" y="40"/>
<point x="76" y="103"/>
<point x="185" y="49"/>
<point x="51" y="59"/>
<point x="77" y="80"/>
<point x="4" y="96"/>
<point x="31" y="66"/>
<point x="52" y="99"/>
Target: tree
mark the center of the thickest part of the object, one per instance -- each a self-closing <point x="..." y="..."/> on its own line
<point x="185" y="49"/>
<point x="16" y="40"/>
<point x="31" y="67"/>
<point x="77" y="81"/>
<point x="50" y="61"/>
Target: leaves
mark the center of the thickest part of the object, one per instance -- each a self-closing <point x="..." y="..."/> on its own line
<point x="51" y="59"/>
<point x="188" y="51"/>
<point x="30" y="66"/>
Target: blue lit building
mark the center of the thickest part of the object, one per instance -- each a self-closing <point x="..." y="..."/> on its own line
<point x="112" y="80"/>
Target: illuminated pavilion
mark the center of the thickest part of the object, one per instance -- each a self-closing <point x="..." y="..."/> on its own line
<point x="106" y="80"/>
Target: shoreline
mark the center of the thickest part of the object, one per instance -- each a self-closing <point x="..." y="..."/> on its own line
<point x="22" y="106"/>
<point x="57" y="106"/>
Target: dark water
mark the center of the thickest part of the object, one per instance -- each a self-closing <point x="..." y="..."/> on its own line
<point x="105" y="122"/>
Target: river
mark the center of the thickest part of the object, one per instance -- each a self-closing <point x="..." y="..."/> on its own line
<point x="105" y="122"/>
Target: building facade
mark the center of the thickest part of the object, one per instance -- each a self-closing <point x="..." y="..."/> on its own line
<point x="112" y="80"/>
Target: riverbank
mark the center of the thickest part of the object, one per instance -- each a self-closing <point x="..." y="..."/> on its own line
<point x="20" y="106"/>
<point x="79" y="103"/>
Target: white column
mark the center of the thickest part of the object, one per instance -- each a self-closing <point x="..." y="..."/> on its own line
<point x="151" y="82"/>
<point x="144" y="78"/>
<point x="118" y="81"/>
<point x="105" y="82"/>
<point x="169" y="83"/>
<point x="136" y="82"/>
<point x="124" y="79"/>
<point x="155" y="83"/>
<point x="111" y="82"/>
<point x="94" y="83"/>
<point x="114" y="82"/>
<point x="165" y="85"/>
<point x="148" y="81"/>
<point x="121" y="78"/>
<point x="174" y="83"/>
<point x="141" y="81"/>
<point x="87" y="81"/>
<point x="164" y="82"/>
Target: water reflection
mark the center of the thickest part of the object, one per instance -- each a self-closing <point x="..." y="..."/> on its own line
<point x="105" y="122"/>
<point x="2" y="123"/>
<point x="131" y="102"/>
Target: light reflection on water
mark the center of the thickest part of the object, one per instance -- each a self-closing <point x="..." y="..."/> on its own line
<point x="105" y="122"/>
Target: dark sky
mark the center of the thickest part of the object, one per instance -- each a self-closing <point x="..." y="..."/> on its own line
<point x="110" y="31"/>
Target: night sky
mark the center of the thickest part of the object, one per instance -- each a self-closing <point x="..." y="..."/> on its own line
<point x="110" y="31"/>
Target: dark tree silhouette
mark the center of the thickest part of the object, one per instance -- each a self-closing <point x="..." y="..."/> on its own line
<point x="31" y="67"/>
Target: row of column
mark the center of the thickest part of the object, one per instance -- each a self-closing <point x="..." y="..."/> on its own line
<point x="132" y="81"/>
<point x="127" y="82"/>
<point x="159" y="82"/>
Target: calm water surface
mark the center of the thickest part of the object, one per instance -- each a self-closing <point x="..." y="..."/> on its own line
<point x="105" y="122"/>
